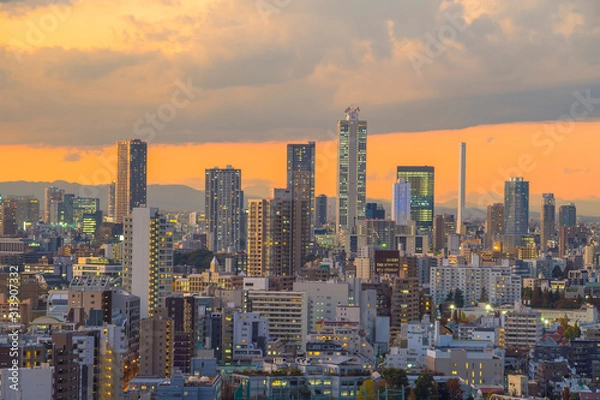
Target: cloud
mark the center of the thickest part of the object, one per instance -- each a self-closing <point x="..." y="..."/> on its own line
<point x="275" y="78"/>
<point x="576" y="170"/>
<point x="72" y="157"/>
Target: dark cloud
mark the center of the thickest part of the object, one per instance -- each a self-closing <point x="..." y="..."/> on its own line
<point x="72" y="157"/>
<point x="290" y="76"/>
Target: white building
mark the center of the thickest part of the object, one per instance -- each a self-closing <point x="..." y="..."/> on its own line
<point x="415" y="340"/>
<point x="248" y="329"/>
<point x="286" y="313"/>
<point x="148" y="258"/>
<point x="523" y="327"/>
<point x="500" y="286"/>
<point x="323" y="299"/>
<point x="94" y="266"/>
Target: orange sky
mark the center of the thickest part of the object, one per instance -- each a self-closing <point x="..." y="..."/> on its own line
<point x="568" y="168"/>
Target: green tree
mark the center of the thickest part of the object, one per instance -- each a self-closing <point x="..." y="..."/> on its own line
<point x="395" y="377"/>
<point x="426" y="388"/>
<point x="571" y="332"/>
<point x="367" y="391"/>
<point x="459" y="298"/>
<point x="450" y="297"/>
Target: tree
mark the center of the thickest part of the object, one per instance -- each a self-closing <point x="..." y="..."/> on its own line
<point x="395" y="377"/>
<point x="367" y="391"/>
<point x="459" y="298"/>
<point x="557" y="272"/>
<point x="451" y="390"/>
<point x="449" y="297"/>
<point x="426" y="387"/>
<point x="571" y="332"/>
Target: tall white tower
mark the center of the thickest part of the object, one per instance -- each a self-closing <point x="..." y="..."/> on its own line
<point x="401" y="202"/>
<point x="462" y="178"/>
<point x="352" y="170"/>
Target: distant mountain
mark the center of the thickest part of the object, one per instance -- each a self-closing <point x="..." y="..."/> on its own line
<point x="185" y="198"/>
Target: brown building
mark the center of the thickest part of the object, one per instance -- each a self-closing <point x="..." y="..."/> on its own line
<point x="405" y="305"/>
<point x="391" y="263"/>
<point x="569" y="238"/>
<point x="66" y="366"/>
<point x="156" y="347"/>
<point x="494" y="227"/>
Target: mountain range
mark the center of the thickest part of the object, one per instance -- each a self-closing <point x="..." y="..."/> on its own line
<point x="179" y="198"/>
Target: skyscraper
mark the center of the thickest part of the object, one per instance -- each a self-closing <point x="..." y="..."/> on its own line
<point x="547" y="216"/>
<point x="401" y="202"/>
<point x="271" y="235"/>
<point x="301" y="158"/>
<point x="53" y="196"/>
<point x="223" y="208"/>
<point x="567" y="215"/>
<point x="148" y="258"/>
<point x="112" y="188"/>
<point x="516" y="210"/>
<point x="352" y="170"/>
<point x="321" y="210"/>
<point x="462" y="180"/>
<point x="130" y="188"/>
<point x="494" y="227"/>
<point x="422" y="185"/>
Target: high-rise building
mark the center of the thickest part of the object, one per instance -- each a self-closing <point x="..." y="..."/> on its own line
<point x="321" y="210"/>
<point x="405" y="302"/>
<point x="27" y="212"/>
<point x="494" y="227"/>
<point x="112" y="190"/>
<point x="8" y="217"/>
<point x="223" y="208"/>
<point x="374" y="211"/>
<point x="301" y="158"/>
<point x="352" y="170"/>
<point x="567" y="215"/>
<point x="401" y="202"/>
<point x="516" y="211"/>
<point x="148" y="258"/>
<point x="547" y="216"/>
<point x="156" y="347"/>
<point x="130" y="188"/>
<point x="422" y="185"/>
<point x="273" y="238"/>
<point x="53" y="196"/>
<point x="187" y="330"/>
<point x="462" y="182"/>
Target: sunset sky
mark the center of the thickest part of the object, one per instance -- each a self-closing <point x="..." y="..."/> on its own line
<point x="215" y="82"/>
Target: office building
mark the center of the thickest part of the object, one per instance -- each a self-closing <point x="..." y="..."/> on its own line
<point x="27" y="213"/>
<point x="321" y="210"/>
<point x="494" y="228"/>
<point x="187" y="330"/>
<point x="422" y="184"/>
<point x="516" y="211"/>
<point x="223" y="209"/>
<point x="352" y="170"/>
<point x="401" y="202"/>
<point x="405" y="302"/>
<point x="130" y="187"/>
<point x="523" y="328"/>
<point x="475" y="366"/>
<point x="374" y="211"/>
<point x="278" y="234"/>
<point x="286" y="312"/>
<point x="112" y="190"/>
<point x="322" y="299"/>
<point x="462" y="183"/>
<point x="301" y="158"/>
<point x="8" y="217"/>
<point x="156" y="347"/>
<point x="547" y="223"/>
<point x="567" y="215"/>
<point x="53" y="196"/>
<point x="34" y="383"/>
<point x="148" y="258"/>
